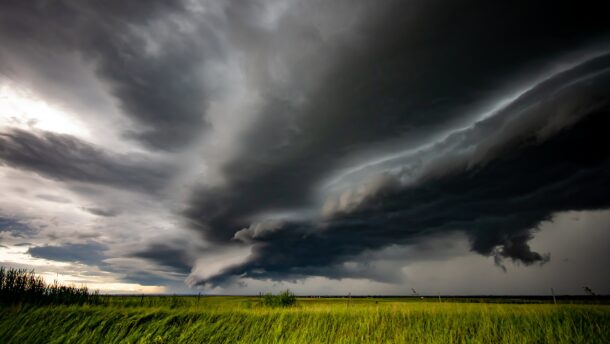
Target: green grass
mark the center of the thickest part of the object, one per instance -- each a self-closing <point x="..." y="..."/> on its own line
<point x="19" y="286"/>
<point x="246" y="320"/>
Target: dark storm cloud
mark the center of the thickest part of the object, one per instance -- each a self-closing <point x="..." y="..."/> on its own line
<point x="66" y="158"/>
<point x="497" y="181"/>
<point x="145" y="278"/>
<point x="91" y="253"/>
<point x="407" y="77"/>
<point x="151" y="66"/>
<point x="167" y="255"/>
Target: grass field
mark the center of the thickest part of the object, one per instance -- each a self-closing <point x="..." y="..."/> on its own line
<point x="169" y="319"/>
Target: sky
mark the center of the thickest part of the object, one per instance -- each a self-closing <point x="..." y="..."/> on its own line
<point x="328" y="147"/>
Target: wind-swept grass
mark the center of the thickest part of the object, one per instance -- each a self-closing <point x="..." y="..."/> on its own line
<point x="33" y="312"/>
<point x="19" y="286"/>
<point x="331" y="321"/>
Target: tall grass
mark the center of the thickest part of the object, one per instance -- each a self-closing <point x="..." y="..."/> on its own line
<point x="20" y="286"/>
<point x="233" y="319"/>
<point x="229" y="320"/>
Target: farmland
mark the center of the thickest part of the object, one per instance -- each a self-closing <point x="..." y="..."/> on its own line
<point x="235" y="319"/>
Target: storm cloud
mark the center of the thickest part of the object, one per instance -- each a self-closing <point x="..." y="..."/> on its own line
<point x="87" y="253"/>
<point x="150" y="66"/>
<point x="499" y="214"/>
<point x="290" y="140"/>
<point x="67" y="158"/>
<point x="396" y="101"/>
<point x="386" y="88"/>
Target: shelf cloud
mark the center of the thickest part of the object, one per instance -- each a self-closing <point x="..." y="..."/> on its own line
<point x="225" y="144"/>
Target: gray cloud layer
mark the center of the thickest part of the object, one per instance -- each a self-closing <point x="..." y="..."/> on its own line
<point x="64" y="157"/>
<point x="387" y="87"/>
<point x="88" y="253"/>
<point x="157" y="86"/>
<point x="313" y="132"/>
<point x="396" y="88"/>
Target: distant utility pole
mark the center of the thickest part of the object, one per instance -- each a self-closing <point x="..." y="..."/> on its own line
<point x="439" y="298"/>
<point x="553" y="293"/>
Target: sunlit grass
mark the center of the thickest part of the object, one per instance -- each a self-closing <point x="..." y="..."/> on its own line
<point x="193" y="319"/>
<point x="34" y="312"/>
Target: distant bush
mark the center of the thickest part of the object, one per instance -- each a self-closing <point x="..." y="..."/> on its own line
<point x="283" y="299"/>
<point x="23" y="286"/>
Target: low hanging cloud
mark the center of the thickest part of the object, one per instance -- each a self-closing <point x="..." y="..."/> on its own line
<point x="168" y="255"/>
<point x="496" y="181"/>
<point x="376" y="84"/>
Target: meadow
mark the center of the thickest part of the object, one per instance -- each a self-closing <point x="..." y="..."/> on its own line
<point x="32" y="311"/>
<point x="234" y="319"/>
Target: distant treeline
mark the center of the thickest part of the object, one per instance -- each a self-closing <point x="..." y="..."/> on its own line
<point x="587" y="299"/>
<point x="20" y="286"/>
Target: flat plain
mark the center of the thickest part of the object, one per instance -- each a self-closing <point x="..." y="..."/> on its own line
<point x="237" y="319"/>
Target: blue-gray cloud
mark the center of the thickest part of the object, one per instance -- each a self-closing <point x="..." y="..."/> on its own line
<point x="15" y="227"/>
<point x="67" y="158"/>
<point x="90" y="253"/>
